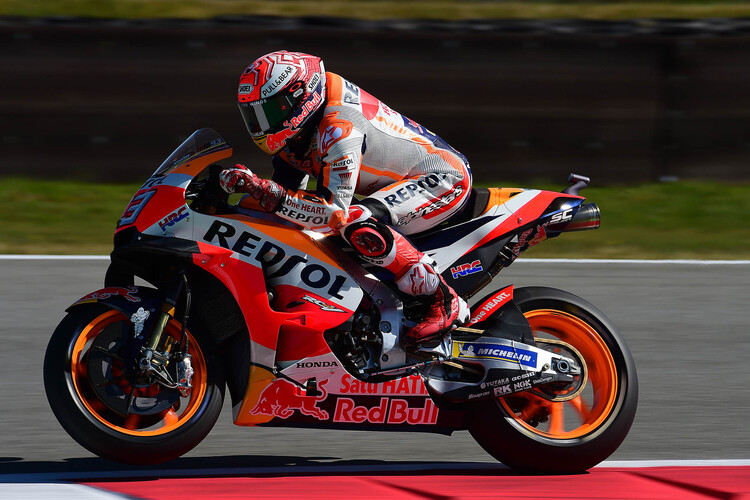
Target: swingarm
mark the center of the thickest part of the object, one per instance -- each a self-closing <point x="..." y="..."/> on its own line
<point x="488" y="367"/>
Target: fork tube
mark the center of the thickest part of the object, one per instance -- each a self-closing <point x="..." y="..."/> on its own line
<point x="166" y="313"/>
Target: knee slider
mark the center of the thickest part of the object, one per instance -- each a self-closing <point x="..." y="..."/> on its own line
<point x="370" y="238"/>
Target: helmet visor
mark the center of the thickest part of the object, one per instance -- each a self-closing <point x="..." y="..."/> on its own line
<point x="264" y="116"/>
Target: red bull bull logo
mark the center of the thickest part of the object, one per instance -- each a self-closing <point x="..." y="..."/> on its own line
<point x="271" y="143"/>
<point x="281" y="398"/>
<point x="105" y="293"/>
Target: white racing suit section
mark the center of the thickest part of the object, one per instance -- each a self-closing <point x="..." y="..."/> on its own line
<point x="423" y="201"/>
<point x="363" y="147"/>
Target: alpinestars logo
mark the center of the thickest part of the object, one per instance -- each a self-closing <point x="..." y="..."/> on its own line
<point x="331" y="135"/>
<point x="417" y="281"/>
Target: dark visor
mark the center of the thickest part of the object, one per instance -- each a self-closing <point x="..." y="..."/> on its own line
<point x="262" y="117"/>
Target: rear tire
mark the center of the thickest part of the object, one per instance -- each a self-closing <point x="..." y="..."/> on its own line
<point x="578" y="433"/>
<point x="85" y="410"/>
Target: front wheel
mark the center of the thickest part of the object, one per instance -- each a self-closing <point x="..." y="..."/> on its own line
<point x="113" y="411"/>
<point x="531" y="433"/>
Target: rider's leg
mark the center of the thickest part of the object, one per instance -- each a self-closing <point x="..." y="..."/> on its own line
<point x="415" y="272"/>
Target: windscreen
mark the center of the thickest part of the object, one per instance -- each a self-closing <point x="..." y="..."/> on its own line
<point x="202" y="142"/>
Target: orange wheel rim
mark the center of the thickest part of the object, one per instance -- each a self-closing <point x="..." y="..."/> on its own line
<point x="136" y="425"/>
<point x="585" y="413"/>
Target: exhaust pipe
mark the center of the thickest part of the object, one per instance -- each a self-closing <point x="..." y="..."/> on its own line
<point x="587" y="217"/>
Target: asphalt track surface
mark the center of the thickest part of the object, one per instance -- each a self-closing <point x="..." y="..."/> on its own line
<point x="685" y="322"/>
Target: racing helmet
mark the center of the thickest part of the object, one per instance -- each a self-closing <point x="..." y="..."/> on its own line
<point x="278" y="94"/>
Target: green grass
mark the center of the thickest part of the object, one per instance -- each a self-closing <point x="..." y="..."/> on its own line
<point x="687" y="220"/>
<point x="381" y="9"/>
<point x="44" y="217"/>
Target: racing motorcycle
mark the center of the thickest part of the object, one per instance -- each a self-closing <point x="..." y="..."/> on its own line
<point x="205" y="292"/>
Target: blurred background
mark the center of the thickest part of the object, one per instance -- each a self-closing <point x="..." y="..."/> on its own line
<point x="624" y="92"/>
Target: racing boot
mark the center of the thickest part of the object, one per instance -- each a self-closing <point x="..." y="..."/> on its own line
<point x="415" y="275"/>
<point x="445" y="311"/>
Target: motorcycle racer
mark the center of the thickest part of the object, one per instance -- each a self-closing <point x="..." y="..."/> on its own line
<point x="316" y="123"/>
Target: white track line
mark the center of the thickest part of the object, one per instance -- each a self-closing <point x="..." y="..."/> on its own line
<point x="691" y="262"/>
<point x="58" y="491"/>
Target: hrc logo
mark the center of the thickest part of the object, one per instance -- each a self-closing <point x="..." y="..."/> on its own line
<point x="466" y="269"/>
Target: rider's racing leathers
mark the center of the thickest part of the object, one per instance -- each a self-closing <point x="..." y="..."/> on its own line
<point x="361" y="146"/>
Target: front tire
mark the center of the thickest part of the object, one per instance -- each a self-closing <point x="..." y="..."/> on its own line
<point x="90" y="343"/>
<point x="532" y="434"/>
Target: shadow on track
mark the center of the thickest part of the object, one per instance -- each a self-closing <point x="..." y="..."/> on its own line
<point x="16" y="469"/>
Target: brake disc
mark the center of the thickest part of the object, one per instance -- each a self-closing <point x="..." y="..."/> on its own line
<point x="114" y="382"/>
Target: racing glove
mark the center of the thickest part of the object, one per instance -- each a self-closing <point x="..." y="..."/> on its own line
<point x="240" y="179"/>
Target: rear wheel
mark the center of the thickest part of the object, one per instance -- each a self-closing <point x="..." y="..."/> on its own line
<point x="113" y="410"/>
<point x="584" y="424"/>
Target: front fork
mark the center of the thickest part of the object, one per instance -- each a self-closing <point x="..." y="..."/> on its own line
<point x="153" y="362"/>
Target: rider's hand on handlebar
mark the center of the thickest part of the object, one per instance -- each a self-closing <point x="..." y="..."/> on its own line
<point x="240" y="179"/>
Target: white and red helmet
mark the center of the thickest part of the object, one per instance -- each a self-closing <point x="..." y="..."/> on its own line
<point x="278" y="94"/>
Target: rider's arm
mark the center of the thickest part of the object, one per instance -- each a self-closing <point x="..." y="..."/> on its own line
<point x="340" y="146"/>
<point x="285" y="176"/>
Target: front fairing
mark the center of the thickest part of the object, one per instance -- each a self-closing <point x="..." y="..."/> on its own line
<point x="160" y="203"/>
<point x="287" y="282"/>
<point x="285" y="256"/>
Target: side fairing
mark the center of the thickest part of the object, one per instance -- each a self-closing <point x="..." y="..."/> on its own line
<point x="448" y="246"/>
<point x="253" y="256"/>
<point x="309" y="292"/>
<point x="287" y="257"/>
<point x="341" y="401"/>
<point x="287" y="283"/>
<point x="526" y="209"/>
